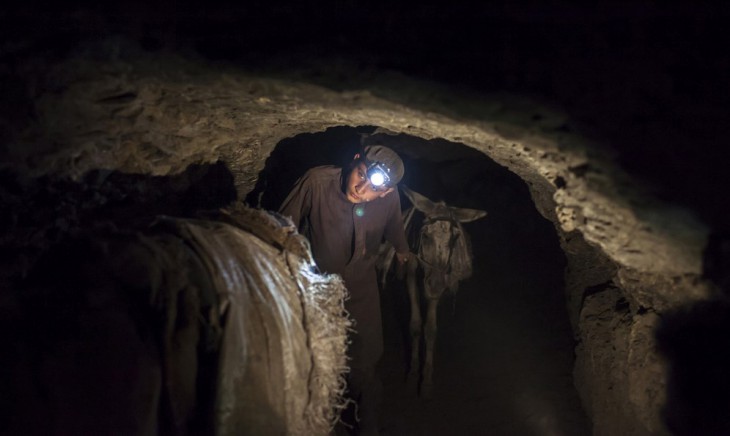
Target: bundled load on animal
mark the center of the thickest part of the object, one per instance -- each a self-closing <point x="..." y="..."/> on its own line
<point x="219" y="326"/>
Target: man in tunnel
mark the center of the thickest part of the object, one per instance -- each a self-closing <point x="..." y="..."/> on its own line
<point x="345" y="213"/>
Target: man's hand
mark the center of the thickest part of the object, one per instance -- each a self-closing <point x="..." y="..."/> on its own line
<point x="403" y="257"/>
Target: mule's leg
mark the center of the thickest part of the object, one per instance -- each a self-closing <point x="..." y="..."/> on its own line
<point x="430" y="336"/>
<point x="415" y="322"/>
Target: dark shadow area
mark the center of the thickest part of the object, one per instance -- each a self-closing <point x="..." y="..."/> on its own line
<point x="37" y="213"/>
<point x="504" y="353"/>
<point x="716" y="261"/>
<point x="694" y="340"/>
<point x="87" y="340"/>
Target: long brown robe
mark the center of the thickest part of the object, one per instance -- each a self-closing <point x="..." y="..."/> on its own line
<point x="345" y="239"/>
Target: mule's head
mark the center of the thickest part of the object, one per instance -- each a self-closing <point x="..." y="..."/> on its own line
<point x="444" y="251"/>
<point x="437" y="243"/>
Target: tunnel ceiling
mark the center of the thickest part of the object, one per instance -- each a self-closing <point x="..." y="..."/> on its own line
<point x="113" y="106"/>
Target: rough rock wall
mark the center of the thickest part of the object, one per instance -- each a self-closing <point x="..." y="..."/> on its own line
<point x="138" y="114"/>
<point x="616" y="360"/>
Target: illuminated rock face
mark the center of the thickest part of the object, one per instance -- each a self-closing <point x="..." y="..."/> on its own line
<point x="630" y="257"/>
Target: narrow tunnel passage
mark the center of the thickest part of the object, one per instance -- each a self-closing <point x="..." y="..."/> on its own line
<point x="649" y="86"/>
<point x="505" y="350"/>
<point x="504" y="353"/>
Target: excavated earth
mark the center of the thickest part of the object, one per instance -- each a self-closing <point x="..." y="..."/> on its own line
<point x="576" y="265"/>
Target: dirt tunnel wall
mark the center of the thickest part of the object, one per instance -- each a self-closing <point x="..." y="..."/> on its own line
<point x="630" y="257"/>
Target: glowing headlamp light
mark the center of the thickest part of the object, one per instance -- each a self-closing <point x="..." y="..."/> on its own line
<point x="378" y="174"/>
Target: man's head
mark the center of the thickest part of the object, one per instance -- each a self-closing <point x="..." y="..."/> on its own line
<point x="374" y="173"/>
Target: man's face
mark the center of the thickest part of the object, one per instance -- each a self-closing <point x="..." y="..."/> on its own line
<point x="359" y="189"/>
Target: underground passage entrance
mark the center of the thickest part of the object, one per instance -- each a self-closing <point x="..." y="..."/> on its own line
<point x="112" y="150"/>
<point x="504" y="350"/>
<point x="610" y="215"/>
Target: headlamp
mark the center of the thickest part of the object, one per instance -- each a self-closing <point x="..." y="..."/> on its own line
<point x="378" y="174"/>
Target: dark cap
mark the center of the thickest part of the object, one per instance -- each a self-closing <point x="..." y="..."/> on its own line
<point x="388" y="158"/>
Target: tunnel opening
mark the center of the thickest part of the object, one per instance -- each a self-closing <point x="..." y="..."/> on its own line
<point x="505" y="349"/>
<point x="621" y="374"/>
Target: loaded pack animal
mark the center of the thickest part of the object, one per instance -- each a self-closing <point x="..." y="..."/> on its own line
<point x="442" y="251"/>
<point x="217" y="325"/>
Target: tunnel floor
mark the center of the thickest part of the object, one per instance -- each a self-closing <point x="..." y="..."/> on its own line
<point x="504" y="353"/>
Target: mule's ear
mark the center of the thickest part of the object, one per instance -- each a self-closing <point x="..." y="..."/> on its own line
<point x="419" y="201"/>
<point x="467" y="215"/>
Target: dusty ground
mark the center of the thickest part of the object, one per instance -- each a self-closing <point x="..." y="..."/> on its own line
<point x="504" y="354"/>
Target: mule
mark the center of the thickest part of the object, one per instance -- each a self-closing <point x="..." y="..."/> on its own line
<point x="443" y="252"/>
